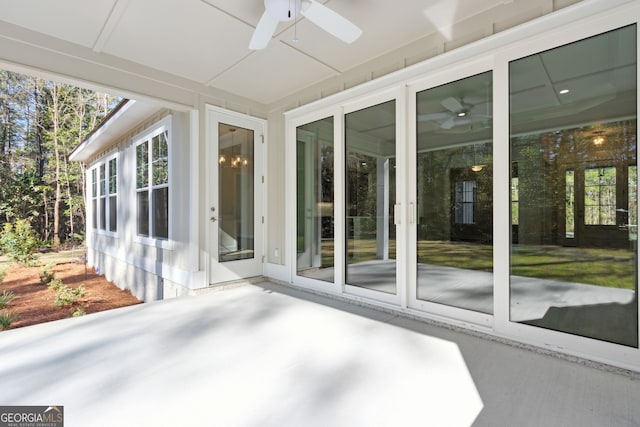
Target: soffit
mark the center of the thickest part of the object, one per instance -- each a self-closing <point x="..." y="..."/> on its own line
<point x="206" y="41"/>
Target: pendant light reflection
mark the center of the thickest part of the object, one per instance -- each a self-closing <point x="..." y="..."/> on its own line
<point x="237" y="160"/>
<point x="476" y="167"/>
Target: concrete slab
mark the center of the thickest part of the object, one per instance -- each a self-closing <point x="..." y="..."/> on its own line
<point x="247" y="356"/>
<point x="267" y="355"/>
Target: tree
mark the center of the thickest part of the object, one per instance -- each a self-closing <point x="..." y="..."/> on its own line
<point x="41" y="122"/>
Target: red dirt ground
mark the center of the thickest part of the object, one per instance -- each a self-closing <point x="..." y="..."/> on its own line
<point x="34" y="302"/>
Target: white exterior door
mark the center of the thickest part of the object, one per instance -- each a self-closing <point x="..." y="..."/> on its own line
<point x="235" y="181"/>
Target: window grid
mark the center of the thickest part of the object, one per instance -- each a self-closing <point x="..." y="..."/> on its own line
<point x="113" y="195"/>
<point x="600" y="196"/>
<point x="466" y="195"/>
<point x="152" y="186"/>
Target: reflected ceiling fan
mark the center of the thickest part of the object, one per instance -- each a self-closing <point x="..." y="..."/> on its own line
<point x="277" y="11"/>
<point x="460" y="112"/>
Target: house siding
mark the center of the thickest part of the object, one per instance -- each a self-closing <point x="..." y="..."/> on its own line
<point x="135" y="264"/>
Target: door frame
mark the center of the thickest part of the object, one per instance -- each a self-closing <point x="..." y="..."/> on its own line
<point x="398" y="95"/>
<point x="473" y="319"/>
<point x="232" y="270"/>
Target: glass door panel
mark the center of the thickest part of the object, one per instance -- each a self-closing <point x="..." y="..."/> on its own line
<point x="235" y="189"/>
<point x="455" y="194"/>
<point x="314" y="193"/>
<point x="574" y="141"/>
<point x="370" y="136"/>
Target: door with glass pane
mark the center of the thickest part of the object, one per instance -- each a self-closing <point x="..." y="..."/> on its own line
<point x="454" y="196"/>
<point x="370" y="198"/>
<point x="235" y="210"/>
<point x="573" y="137"/>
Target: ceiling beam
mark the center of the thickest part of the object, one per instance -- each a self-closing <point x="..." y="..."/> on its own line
<point x="110" y="24"/>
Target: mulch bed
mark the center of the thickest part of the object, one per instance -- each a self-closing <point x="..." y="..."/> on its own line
<point x="34" y="302"/>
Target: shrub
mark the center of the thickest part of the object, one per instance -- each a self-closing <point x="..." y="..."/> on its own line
<point x="55" y="284"/>
<point x="19" y="242"/>
<point x="66" y="295"/>
<point x="5" y="298"/>
<point x="6" y="319"/>
<point x="77" y="312"/>
<point x="46" y="276"/>
<point x="1" y="276"/>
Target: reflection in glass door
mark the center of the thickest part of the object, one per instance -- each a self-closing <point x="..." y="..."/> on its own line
<point x="370" y="136"/>
<point x="314" y="194"/>
<point x="455" y="194"/>
<point x="574" y="139"/>
<point x="236" y="193"/>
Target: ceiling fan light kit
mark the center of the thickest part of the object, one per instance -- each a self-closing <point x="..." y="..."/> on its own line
<point x="283" y="10"/>
<point x="277" y="11"/>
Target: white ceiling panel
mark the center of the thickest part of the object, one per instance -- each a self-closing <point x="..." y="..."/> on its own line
<point x="247" y="11"/>
<point x="207" y="41"/>
<point x="185" y="38"/>
<point x="386" y="25"/>
<point x="76" y="21"/>
<point x="268" y="75"/>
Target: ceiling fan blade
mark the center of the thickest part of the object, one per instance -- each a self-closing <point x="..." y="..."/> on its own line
<point x="330" y="21"/>
<point x="264" y="31"/>
<point x="433" y="116"/>
<point x="449" y="123"/>
<point x="452" y="104"/>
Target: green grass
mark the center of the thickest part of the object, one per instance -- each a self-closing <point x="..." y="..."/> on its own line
<point x="49" y="257"/>
<point x="6" y="319"/>
<point x="613" y="268"/>
<point x="472" y="256"/>
<point x="6" y="297"/>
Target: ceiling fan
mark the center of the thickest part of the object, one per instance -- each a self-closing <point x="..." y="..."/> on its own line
<point x="277" y="11"/>
<point x="460" y="113"/>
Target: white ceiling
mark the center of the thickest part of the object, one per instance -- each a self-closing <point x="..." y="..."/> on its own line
<point x="206" y="41"/>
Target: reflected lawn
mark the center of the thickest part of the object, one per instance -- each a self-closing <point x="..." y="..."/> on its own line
<point x="612" y="268"/>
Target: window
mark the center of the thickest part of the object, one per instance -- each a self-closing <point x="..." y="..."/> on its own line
<point x="104" y="197"/>
<point x="600" y="196"/>
<point x="152" y="186"/>
<point x="94" y="198"/>
<point x="569" y="209"/>
<point x="465" y="207"/>
<point x="113" y="195"/>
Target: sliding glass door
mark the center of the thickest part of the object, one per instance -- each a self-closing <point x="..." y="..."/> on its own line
<point x="501" y="192"/>
<point x="370" y="192"/>
<point x="454" y="221"/>
<point x="574" y="202"/>
<point x="315" y="200"/>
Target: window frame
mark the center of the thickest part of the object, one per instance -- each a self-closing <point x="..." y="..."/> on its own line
<point x="552" y="31"/>
<point x="99" y="192"/>
<point x="599" y="207"/>
<point x="160" y="127"/>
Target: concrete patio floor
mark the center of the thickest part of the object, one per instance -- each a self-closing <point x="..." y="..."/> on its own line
<point x="268" y="355"/>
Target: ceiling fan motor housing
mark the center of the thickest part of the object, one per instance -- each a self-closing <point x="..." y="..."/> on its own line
<point x="283" y="10"/>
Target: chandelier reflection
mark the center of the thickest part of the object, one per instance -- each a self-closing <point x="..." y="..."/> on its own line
<point x="236" y="160"/>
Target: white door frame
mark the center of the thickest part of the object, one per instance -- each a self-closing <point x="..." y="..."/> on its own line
<point x="219" y="272"/>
